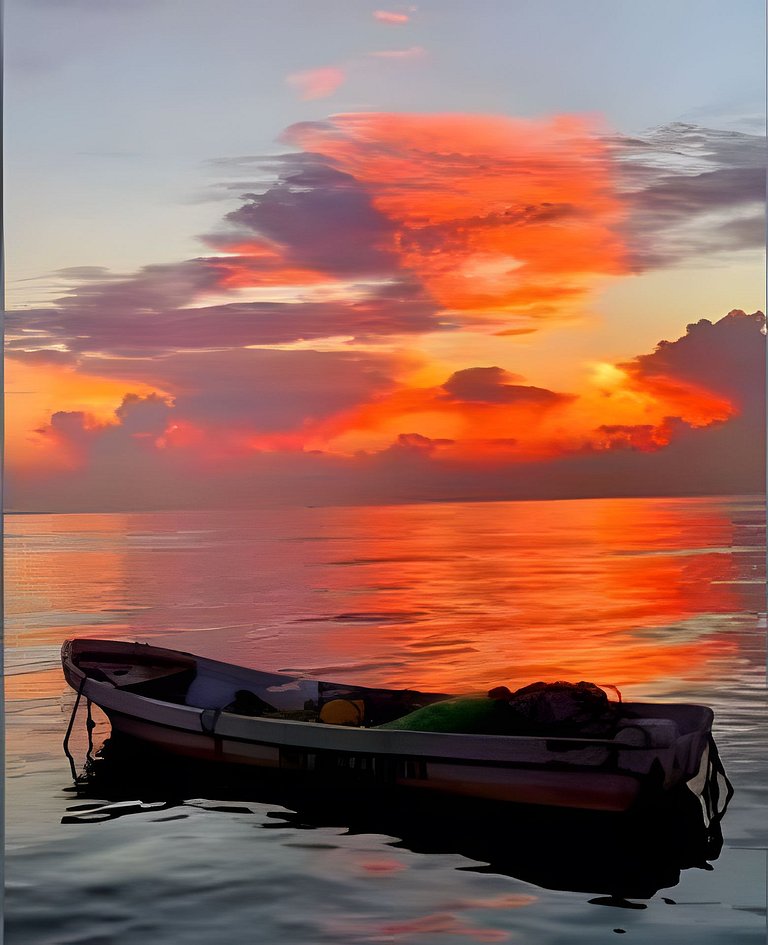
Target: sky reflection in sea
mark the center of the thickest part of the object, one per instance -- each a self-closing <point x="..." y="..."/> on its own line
<point x="660" y="596"/>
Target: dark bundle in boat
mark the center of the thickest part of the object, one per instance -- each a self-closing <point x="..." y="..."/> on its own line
<point x="558" y="709"/>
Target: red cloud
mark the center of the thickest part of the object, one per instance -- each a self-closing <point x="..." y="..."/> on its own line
<point x="495" y="215"/>
<point x="639" y="436"/>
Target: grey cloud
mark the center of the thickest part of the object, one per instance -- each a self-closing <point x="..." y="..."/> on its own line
<point x="323" y="219"/>
<point x="493" y="385"/>
<point x="692" y="192"/>
<point x="84" y="273"/>
<point x="152" y="289"/>
<point x="727" y="357"/>
<point x="143" y="414"/>
<point x="41" y="356"/>
<point x="315" y="216"/>
<point x="123" y="321"/>
<point x="261" y="390"/>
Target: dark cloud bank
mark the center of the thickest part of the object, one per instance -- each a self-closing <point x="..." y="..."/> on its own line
<point x="122" y="468"/>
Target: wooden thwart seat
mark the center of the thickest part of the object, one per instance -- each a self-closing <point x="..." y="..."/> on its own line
<point x="126" y="675"/>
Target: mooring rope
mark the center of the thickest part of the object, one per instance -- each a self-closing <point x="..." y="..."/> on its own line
<point x="711" y="797"/>
<point x="67" y="752"/>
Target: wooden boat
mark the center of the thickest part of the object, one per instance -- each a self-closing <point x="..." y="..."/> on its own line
<point x="203" y="709"/>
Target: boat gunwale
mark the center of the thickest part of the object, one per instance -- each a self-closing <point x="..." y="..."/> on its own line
<point x="507" y="765"/>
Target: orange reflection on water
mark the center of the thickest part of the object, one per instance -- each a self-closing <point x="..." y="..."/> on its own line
<point x="447" y="596"/>
<point x="65" y="576"/>
<point x="45" y="684"/>
<point x="616" y="591"/>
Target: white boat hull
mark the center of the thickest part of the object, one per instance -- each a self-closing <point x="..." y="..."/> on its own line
<point x="594" y="774"/>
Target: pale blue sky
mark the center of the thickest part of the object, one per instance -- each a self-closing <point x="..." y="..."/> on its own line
<point x="113" y="107"/>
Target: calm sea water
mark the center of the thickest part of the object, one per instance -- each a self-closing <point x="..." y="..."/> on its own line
<point x="662" y="597"/>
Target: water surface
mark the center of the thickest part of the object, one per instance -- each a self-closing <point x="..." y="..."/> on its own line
<point x="661" y="597"/>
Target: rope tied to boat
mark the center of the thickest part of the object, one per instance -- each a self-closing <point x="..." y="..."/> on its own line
<point x="711" y="794"/>
<point x="90" y="725"/>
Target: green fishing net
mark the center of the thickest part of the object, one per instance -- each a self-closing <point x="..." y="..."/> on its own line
<point x="465" y="716"/>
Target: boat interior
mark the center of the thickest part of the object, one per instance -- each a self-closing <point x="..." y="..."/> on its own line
<point x="183" y="679"/>
<point x="186" y="680"/>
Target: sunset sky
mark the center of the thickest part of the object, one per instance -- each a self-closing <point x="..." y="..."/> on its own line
<point x="342" y="252"/>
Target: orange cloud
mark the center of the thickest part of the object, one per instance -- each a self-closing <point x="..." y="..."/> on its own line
<point x="36" y="389"/>
<point x="360" y="408"/>
<point x="690" y="402"/>
<point x="488" y="416"/>
<point x="480" y="415"/>
<point x="497" y="216"/>
<point x="256" y="263"/>
<point x="391" y="17"/>
<point x="317" y="83"/>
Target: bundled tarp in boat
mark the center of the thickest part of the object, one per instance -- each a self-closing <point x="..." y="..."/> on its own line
<point x="548" y="709"/>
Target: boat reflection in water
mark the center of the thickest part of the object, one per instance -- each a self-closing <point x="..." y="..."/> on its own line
<point x="615" y="856"/>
